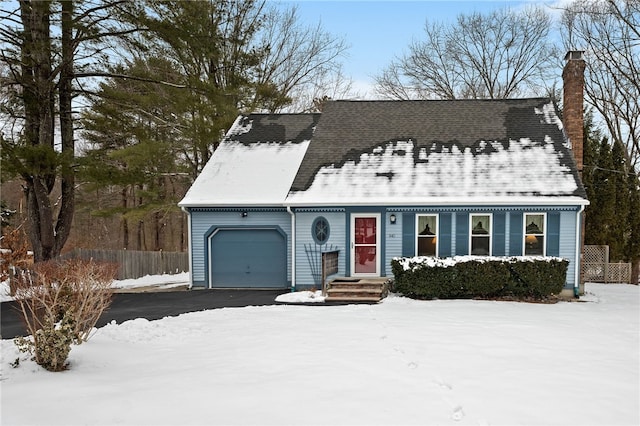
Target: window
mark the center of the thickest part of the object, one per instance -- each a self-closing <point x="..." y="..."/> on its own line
<point x="426" y="233"/>
<point x="534" y="233"/>
<point x="320" y="230"/>
<point x="480" y="234"/>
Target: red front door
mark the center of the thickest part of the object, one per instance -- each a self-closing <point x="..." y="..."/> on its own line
<point x="365" y="246"/>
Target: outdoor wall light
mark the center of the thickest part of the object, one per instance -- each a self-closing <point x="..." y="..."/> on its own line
<point x="392" y="218"/>
<point x="244" y="214"/>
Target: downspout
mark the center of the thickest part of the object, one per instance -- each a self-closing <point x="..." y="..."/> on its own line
<point x="579" y="236"/>
<point x="293" y="248"/>
<point x="189" y="246"/>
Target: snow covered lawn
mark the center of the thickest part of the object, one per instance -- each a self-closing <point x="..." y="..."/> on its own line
<point x="399" y="362"/>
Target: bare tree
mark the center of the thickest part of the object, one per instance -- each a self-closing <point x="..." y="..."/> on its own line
<point x="502" y="54"/>
<point x="300" y="62"/>
<point x="609" y="32"/>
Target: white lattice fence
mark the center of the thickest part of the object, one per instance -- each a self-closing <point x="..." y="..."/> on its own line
<point x="618" y="273"/>
<point x="594" y="261"/>
<point x="596" y="266"/>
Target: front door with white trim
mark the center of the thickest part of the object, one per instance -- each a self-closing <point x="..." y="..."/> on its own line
<point x="365" y="244"/>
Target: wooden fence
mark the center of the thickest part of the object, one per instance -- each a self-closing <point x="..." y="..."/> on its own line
<point x="134" y="263"/>
<point x="596" y="266"/>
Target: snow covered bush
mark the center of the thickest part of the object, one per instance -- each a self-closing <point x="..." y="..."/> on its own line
<point x="60" y="303"/>
<point x="479" y="277"/>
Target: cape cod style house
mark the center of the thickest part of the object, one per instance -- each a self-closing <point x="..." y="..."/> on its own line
<point x="373" y="180"/>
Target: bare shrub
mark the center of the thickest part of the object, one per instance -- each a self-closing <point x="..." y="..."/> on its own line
<point x="60" y="303"/>
<point x="14" y="255"/>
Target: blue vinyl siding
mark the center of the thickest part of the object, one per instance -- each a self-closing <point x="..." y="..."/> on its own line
<point x="392" y="241"/>
<point x="444" y="243"/>
<point x="409" y="234"/>
<point x="553" y="234"/>
<point x="397" y="239"/>
<point x="515" y="234"/>
<point x="499" y="225"/>
<point x="567" y="243"/>
<point x="462" y="234"/>
<point x="308" y="253"/>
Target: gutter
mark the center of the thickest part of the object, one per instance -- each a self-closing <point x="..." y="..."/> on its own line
<point x="293" y="248"/>
<point x="184" y="209"/>
<point x="559" y="201"/>
<point x="579" y="236"/>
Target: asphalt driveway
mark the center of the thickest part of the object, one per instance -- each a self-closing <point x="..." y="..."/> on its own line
<point x="128" y="306"/>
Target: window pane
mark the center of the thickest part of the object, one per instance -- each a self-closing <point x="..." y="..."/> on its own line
<point x="365" y="230"/>
<point x="426" y="225"/>
<point x="426" y="246"/>
<point x="480" y="246"/>
<point x="480" y="225"/>
<point x="427" y="230"/>
<point x="535" y="224"/>
<point x="320" y="230"/>
<point x="534" y="245"/>
<point x="365" y="260"/>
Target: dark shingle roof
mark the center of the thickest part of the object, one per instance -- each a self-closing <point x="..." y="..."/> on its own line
<point x="348" y="129"/>
<point x="278" y="128"/>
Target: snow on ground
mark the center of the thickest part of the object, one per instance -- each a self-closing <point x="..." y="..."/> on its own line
<point x="301" y="297"/>
<point x="444" y="362"/>
<point x="159" y="282"/>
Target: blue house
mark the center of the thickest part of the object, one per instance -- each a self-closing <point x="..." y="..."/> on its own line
<point x="374" y="180"/>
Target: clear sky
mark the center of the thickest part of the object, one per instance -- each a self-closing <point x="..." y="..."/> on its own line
<point x="378" y="31"/>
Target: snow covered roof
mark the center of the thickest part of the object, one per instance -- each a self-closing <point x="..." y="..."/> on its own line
<point x="510" y="151"/>
<point x="255" y="164"/>
<point x="438" y="152"/>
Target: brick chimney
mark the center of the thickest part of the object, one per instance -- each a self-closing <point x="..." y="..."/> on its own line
<point x="573" y="101"/>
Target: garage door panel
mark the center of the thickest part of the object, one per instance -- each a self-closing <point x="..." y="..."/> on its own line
<point x="253" y="258"/>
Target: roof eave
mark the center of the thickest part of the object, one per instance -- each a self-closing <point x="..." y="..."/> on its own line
<point x="537" y="201"/>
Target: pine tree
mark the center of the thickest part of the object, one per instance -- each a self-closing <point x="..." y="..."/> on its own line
<point x="632" y="247"/>
<point x="591" y="140"/>
<point x="47" y="48"/>
<point x="601" y="192"/>
<point x="136" y="148"/>
<point x="619" y="229"/>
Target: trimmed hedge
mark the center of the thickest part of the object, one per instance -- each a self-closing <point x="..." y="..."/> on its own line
<point x="479" y="277"/>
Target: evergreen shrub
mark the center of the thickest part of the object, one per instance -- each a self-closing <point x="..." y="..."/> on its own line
<point x="479" y="277"/>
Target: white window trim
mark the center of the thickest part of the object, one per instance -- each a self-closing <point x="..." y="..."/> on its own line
<point x="490" y="235"/>
<point x="544" y="232"/>
<point x="437" y="232"/>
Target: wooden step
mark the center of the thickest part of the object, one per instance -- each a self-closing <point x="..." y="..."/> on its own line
<point x="354" y="290"/>
<point x="348" y="289"/>
<point x="352" y="299"/>
<point x="357" y="286"/>
<point x="354" y="294"/>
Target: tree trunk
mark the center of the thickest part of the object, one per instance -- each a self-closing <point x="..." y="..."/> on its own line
<point x="67" y="181"/>
<point x="157" y="245"/>
<point x="125" y="223"/>
<point x="47" y="232"/>
<point x="38" y="98"/>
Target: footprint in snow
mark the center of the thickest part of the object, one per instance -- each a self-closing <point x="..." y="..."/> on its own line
<point x="457" y="414"/>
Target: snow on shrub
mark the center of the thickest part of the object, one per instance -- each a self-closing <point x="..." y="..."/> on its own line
<point x="535" y="277"/>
